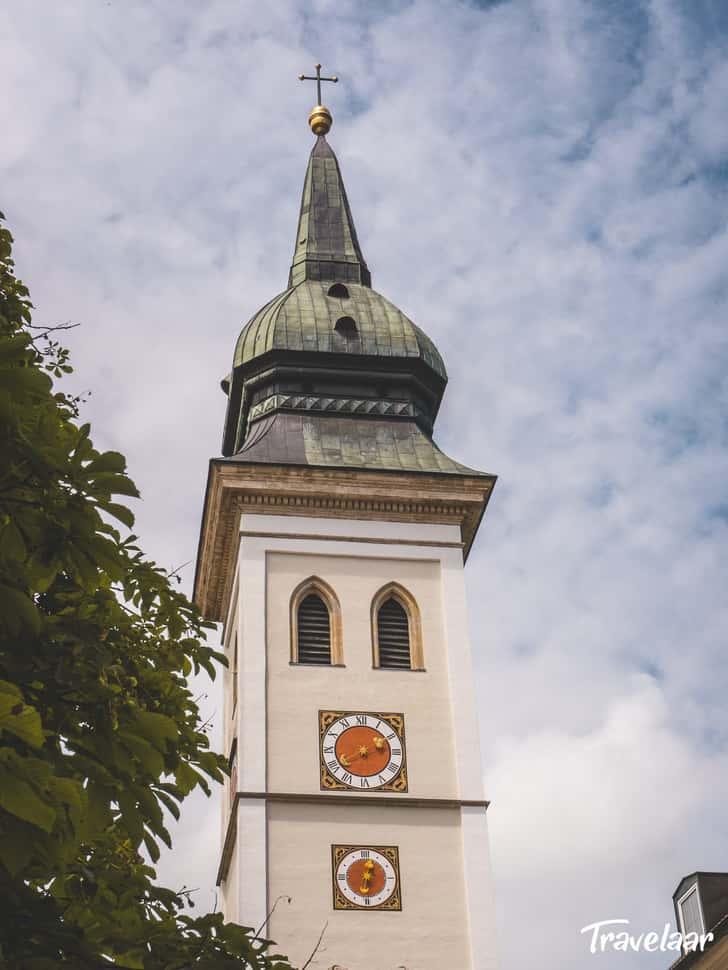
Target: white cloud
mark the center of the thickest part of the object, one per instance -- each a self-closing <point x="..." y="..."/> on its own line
<point x="587" y="826"/>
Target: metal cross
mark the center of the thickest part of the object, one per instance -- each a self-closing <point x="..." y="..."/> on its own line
<point x="318" y="79"/>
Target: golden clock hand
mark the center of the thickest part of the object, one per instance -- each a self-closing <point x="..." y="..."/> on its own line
<point x="362" y="751"/>
<point x="366" y="877"/>
<point x="346" y="759"/>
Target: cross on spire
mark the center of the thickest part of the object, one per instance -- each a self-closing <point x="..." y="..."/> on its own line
<point x="318" y="79"/>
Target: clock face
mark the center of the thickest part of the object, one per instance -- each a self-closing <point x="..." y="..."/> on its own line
<point x="362" y="751"/>
<point x="366" y="877"/>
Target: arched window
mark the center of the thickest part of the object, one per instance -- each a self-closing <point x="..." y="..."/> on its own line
<point x="314" y="631"/>
<point x="339" y="290"/>
<point x="315" y="624"/>
<point x="393" y="635"/>
<point x="396" y="630"/>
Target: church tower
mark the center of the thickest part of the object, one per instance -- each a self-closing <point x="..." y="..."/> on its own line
<point x="332" y="549"/>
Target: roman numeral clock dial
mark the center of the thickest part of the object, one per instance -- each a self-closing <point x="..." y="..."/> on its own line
<point x="366" y="877"/>
<point x="362" y="751"/>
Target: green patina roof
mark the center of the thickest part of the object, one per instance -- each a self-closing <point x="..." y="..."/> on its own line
<point x="303" y="318"/>
<point x="293" y="407"/>
<point x="327" y="247"/>
<point x="327" y="252"/>
<point x="323" y="441"/>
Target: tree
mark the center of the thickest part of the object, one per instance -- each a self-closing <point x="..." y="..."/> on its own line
<point x="99" y="733"/>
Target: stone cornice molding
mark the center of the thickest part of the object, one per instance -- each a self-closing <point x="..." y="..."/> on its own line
<point x="237" y="488"/>
<point x="391" y="801"/>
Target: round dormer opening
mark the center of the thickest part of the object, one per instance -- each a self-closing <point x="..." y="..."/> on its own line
<point x="346" y="328"/>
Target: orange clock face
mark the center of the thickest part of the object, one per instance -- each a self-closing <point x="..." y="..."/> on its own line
<point x="362" y="751"/>
<point x="366" y="877"/>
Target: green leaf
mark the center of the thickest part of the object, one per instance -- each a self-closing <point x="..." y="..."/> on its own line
<point x="21" y="720"/>
<point x="120" y="512"/>
<point x="151" y="846"/>
<point x="21" y="382"/>
<point x="186" y="777"/>
<point x="18" y="611"/>
<point x="98" y="811"/>
<point x="71" y="793"/>
<point x="148" y="756"/>
<point x="12" y="544"/>
<point x="169" y="803"/>
<point x="132" y="817"/>
<point x="10" y="691"/>
<point x="15" y="853"/>
<point x="108" y="461"/>
<point x="104" y="553"/>
<point x="158" y="728"/>
<point x="21" y="800"/>
<point x="112" y="483"/>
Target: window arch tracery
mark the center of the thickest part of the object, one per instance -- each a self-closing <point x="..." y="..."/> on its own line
<point x="396" y="630"/>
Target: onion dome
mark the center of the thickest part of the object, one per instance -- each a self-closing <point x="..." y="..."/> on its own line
<point x="329" y="371"/>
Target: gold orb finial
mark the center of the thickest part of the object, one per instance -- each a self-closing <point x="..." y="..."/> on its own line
<point x="320" y="120"/>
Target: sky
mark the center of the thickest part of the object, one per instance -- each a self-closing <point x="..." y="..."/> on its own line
<point x="542" y="185"/>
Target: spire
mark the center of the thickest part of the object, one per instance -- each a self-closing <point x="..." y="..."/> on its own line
<point x="326" y="244"/>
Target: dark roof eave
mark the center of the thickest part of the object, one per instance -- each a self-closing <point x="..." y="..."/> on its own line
<point x="414" y="472"/>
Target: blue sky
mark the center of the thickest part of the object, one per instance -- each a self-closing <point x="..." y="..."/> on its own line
<point x="540" y="185"/>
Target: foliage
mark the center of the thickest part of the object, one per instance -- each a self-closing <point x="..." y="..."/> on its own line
<point x="99" y="733"/>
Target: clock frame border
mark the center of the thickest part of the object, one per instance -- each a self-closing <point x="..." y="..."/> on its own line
<point x="340" y="902"/>
<point x="398" y="784"/>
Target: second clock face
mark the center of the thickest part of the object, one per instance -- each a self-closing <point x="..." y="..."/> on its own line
<point x="362" y="751"/>
<point x="366" y="877"/>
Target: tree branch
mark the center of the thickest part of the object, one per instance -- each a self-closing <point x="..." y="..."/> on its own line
<point x="316" y="948"/>
<point x="52" y="328"/>
<point x="267" y="919"/>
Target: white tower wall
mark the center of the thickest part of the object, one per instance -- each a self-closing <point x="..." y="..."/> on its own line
<point x="279" y="825"/>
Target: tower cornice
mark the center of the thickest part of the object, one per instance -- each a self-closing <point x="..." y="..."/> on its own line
<point x="234" y="489"/>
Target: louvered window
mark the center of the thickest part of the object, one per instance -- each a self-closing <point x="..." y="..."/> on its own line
<point x="314" y="631"/>
<point x="393" y="635"/>
<point x="690" y="916"/>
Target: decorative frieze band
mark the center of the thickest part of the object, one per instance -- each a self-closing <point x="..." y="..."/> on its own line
<point x="333" y="405"/>
<point x="335" y="503"/>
